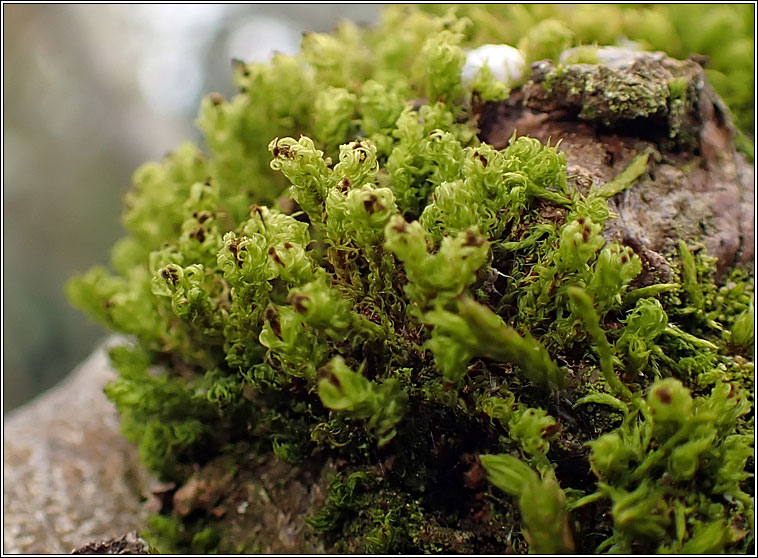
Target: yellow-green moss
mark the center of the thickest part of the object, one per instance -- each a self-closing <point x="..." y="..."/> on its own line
<point x="350" y="273"/>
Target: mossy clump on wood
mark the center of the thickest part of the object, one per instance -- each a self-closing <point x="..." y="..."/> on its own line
<point x="720" y="37"/>
<point x="432" y="336"/>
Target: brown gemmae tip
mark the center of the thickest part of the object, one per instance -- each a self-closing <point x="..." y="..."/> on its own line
<point x="696" y="186"/>
<point x="127" y="544"/>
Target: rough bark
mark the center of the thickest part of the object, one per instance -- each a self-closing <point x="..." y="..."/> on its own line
<point x="68" y="475"/>
<point x="697" y="188"/>
<point x="128" y="544"/>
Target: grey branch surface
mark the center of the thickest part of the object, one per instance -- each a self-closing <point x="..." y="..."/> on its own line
<point x="69" y="476"/>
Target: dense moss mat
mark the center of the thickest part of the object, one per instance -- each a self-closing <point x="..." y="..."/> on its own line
<point x="350" y="275"/>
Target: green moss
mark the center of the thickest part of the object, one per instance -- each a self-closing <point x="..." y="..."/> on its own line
<point x="388" y="293"/>
<point x="650" y="466"/>
<point x="169" y="535"/>
<point x="541" y="500"/>
<point x="165" y="534"/>
<point x="362" y="514"/>
<point x="545" y="41"/>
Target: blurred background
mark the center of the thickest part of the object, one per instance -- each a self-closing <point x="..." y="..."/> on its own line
<point x="90" y="92"/>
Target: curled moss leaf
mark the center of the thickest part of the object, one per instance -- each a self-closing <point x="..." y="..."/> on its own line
<point x="533" y="428"/>
<point x="488" y="86"/>
<point x="591" y="321"/>
<point x="541" y="500"/>
<point x="334" y="115"/>
<point x="442" y="60"/>
<point x="643" y="326"/>
<point x="580" y="241"/>
<point x="689" y="276"/>
<point x="625" y="178"/>
<point x="305" y="167"/>
<point x="476" y="330"/>
<point x="742" y="335"/>
<point x="441" y="276"/>
<point x="610" y="455"/>
<point x="381" y="405"/>
<point x="642" y="512"/>
<point x="669" y="401"/>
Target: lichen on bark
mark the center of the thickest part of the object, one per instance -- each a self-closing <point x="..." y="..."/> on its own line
<point x="650" y="90"/>
<point x="432" y="293"/>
